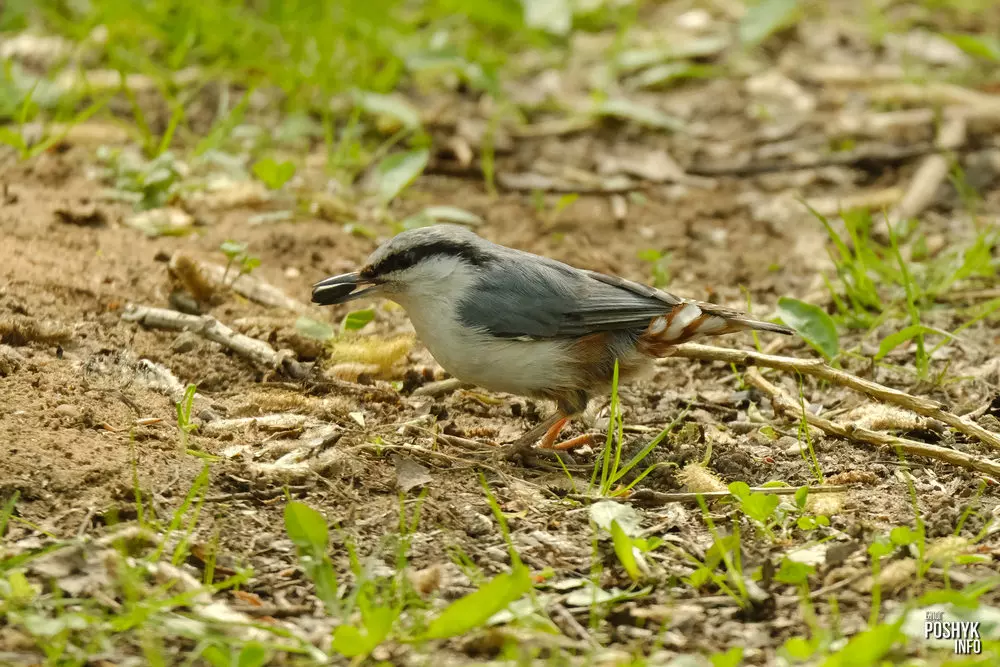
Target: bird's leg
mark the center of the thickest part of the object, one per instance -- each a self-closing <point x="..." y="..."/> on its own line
<point x="550" y="427"/>
<point x="549" y="439"/>
<point x="554" y="421"/>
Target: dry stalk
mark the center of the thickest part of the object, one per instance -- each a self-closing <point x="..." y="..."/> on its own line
<point x="648" y="497"/>
<point x="439" y="388"/>
<point x="785" y="403"/>
<point x="206" y="326"/>
<point x="931" y="173"/>
<point x="817" y="368"/>
<point x="256" y="351"/>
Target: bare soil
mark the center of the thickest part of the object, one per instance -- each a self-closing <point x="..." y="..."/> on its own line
<point x="80" y="429"/>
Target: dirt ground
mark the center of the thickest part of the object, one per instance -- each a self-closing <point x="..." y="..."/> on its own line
<point x="84" y="423"/>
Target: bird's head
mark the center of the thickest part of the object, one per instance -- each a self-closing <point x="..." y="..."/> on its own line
<point x="427" y="259"/>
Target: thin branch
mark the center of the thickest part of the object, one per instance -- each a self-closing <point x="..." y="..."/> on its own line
<point x="256" y="351"/>
<point x="785" y="403"/>
<point x="930" y="174"/>
<point x="817" y="368"/>
<point x="439" y="388"/>
<point x="652" y="498"/>
<point x="875" y="155"/>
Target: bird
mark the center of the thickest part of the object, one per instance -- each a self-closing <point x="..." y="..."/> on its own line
<point x="514" y="322"/>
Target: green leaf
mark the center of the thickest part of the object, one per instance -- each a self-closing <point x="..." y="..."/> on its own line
<point x="249" y="263"/>
<point x="233" y="249"/>
<point x="740" y="490"/>
<point x="792" y="572"/>
<point x="12" y="139"/>
<point x="812" y="323"/>
<point x="273" y="174"/>
<point x="880" y="548"/>
<point x="7" y="512"/>
<point x="314" y="329"/>
<point x="731" y="658"/>
<point x="453" y="214"/>
<point x="473" y="610"/>
<point x="564" y="202"/>
<point x="357" y="319"/>
<point x="760" y="506"/>
<point x="397" y="171"/>
<point x="799" y="648"/>
<point x="801" y="496"/>
<point x="253" y="654"/>
<point x="306" y="527"/>
<point x="308" y="531"/>
<point x="766" y="18"/>
<point x="986" y="47"/>
<point x="352" y="642"/>
<point x="903" y="535"/>
<point x="867" y="648"/>
<point x="700" y="577"/>
<point x="623" y="549"/>
<point x="393" y="106"/>
<point x="349" y="642"/>
<point x="649" y="255"/>
<point x="625" y="109"/>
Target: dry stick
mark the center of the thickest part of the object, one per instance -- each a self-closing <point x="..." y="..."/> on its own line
<point x="817" y="368"/>
<point x="962" y="296"/>
<point x="206" y="326"/>
<point x="439" y="388"/>
<point x="645" y="496"/>
<point x="783" y="402"/>
<point x="875" y="154"/>
<point x="256" y="351"/>
<point x="931" y="173"/>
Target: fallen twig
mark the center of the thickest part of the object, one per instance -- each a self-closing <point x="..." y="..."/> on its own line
<point x="653" y="498"/>
<point x="439" y="388"/>
<point x="262" y="494"/>
<point x="572" y="624"/>
<point x="877" y="155"/>
<point x="817" y="368"/>
<point x="279" y="422"/>
<point x="785" y="403"/>
<point x="253" y="288"/>
<point x="256" y="351"/>
<point x="970" y="295"/>
<point x="931" y="173"/>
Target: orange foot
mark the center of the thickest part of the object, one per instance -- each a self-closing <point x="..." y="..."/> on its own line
<point x="573" y="443"/>
<point x="549" y="439"/>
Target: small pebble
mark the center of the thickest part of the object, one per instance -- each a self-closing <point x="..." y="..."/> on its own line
<point x="68" y="411"/>
<point x="209" y="415"/>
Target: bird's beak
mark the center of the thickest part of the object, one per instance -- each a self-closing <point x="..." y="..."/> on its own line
<point x="340" y="289"/>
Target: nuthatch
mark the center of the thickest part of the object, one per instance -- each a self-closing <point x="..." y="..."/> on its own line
<point x="515" y="322"/>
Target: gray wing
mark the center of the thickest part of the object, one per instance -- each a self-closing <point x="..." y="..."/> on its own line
<point x="542" y="298"/>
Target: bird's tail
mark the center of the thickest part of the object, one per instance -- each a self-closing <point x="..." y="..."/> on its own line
<point x="694" y="319"/>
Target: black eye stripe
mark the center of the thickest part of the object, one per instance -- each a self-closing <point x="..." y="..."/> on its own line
<point x="405" y="259"/>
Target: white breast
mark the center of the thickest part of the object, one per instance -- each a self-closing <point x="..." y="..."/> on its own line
<point x="512" y="366"/>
